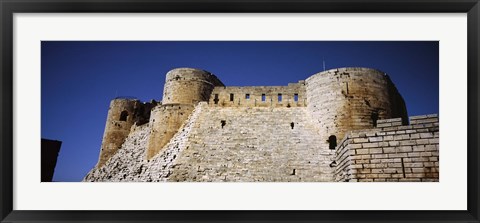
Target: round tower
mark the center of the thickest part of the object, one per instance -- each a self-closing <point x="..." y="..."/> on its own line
<point x="188" y="86"/>
<point x="184" y="88"/>
<point x="120" y="119"/>
<point x="346" y="99"/>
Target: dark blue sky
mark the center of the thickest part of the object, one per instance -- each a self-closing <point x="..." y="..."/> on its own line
<point x="79" y="78"/>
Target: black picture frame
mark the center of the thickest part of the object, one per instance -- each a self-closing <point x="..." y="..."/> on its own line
<point x="9" y="7"/>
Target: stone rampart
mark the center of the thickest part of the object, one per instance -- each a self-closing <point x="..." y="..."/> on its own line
<point x="292" y="95"/>
<point x="254" y="144"/>
<point x="184" y="88"/>
<point x="344" y="99"/>
<point x="119" y="120"/>
<point x="391" y="152"/>
<point x="165" y="121"/>
<point x="204" y="131"/>
<point x="122" y="115"/>
<point x="188" y="86"/>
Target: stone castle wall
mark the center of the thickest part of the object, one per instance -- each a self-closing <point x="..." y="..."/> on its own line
<point x="122" y="115"/>
<point x="292" y="95"/>
<point x="344" y="99"/>
<point x="188" y="86"/>
<point x="254" y="144"/>
<point x="204" y="131"/>
<point x="165" y="121"/>
<point x="391" y="152"/>
<point x="184" y="88"/>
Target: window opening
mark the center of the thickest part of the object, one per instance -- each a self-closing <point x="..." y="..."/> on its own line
<point x="223" y="123"/>
<point x="263" y="97"/>
<point x="292" y="125"/>
<point x="332" y="141"/>
<point x="279" y="97"/>
<point x="216" y="99"/>
<point x="123" y="116"/>
<point x="295" y="97"/>
<point x="231" y="97"/>
<point x="374" y="117"/>
<point x="247" y="96"/>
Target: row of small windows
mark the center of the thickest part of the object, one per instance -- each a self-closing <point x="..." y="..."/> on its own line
<point x="247" y="96"/>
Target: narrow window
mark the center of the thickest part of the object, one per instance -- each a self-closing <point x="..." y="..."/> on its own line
<point x="295" y="97"/>
<point x="292" y="124"/>
<point x="216" y="99"/>
<point x="223" y="123"/>
<point x="247" y="96"/>
<point x="123" y="116"/>
<point x="332" y="142"/>
<point x="263" y="97"/>
<point x="374" y="117"/>
<point x="279" y="97"/>
<point x="231" y="97"/>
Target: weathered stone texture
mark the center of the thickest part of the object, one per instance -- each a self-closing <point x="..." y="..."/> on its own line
<point x="204" y="131"/>
<point x="188" y="86"/>
<point x="292" y="95"/>
<point x="127" y="163"/>
<point x="122" y="114"/>
<point x="254" y="144"/>
<point x="393" y="152"/>
<point x="165" y="121"/>
<point x="184" y="88"/>
<point x="345" y="99"/>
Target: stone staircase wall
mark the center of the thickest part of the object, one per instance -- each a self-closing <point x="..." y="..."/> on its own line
<point x="254" y="144"/>
<point x="127" y="162"/>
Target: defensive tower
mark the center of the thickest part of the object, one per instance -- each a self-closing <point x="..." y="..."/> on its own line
<point x="345" y="99"/>
<point x="120" y="119"/>
<point x="184" y="88"/>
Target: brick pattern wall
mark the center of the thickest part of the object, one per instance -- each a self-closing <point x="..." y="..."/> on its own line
<point x="391" y="152"/>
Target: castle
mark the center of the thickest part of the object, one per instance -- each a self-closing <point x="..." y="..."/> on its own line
<point x="345" y="124"/>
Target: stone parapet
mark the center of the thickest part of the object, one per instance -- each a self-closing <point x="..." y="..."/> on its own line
<point x="391" y="153"/>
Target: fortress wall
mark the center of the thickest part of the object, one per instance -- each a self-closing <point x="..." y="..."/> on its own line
<point x="392" y="152"/>
<point x="254" y="144"/>
<point x="184" y="88"/>
<point x="117" y="126"/>
<point x="127" y="163"/>
<point x="188" y="86"/>
<point x="165" y="121"/>
<point x="159" y="168"/>
<point x="220" y="96"/>
<point x="245" y="140"/>
<point x="345" y="99"/>
<point x="142" y="112"/>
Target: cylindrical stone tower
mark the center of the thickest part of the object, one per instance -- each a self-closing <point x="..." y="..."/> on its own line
<point x="188" y="86"/>
<point x="119" y="121"/>
<point x="346" y="99"/>
<point x="184" y="88"/>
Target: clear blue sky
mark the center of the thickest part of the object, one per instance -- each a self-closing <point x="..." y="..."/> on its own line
<point x="79" y="78"/>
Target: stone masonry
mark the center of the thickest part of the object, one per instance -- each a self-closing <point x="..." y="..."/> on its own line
<point x="345" y="124"/>
<point x="391" y="152"/>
